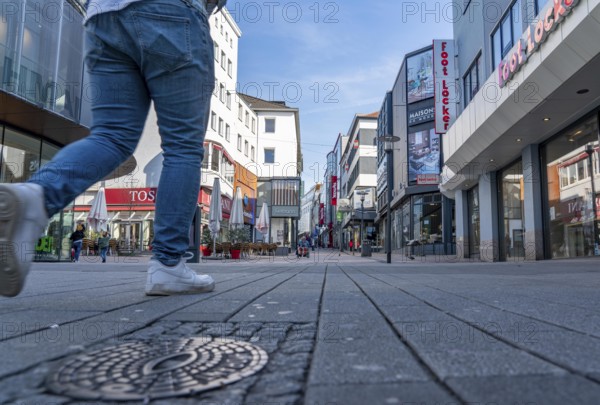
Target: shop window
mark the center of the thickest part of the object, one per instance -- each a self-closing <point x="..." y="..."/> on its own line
<point x="572" y="229"/>
<point x="65" y="96"/>
<point x="513" y="212"/>
<point x="48" y="152"/>
<point x="474" y="221"/>
<point x="20" y="157"/>
<point x="427" y="219"/>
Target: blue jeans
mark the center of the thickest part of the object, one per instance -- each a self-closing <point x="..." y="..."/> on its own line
<point x="103" y="253"/>
<point x="152" y="50"/>
<point x="77" y="245"/>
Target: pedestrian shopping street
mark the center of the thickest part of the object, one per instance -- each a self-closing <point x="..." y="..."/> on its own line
<point x="329" y="329"/>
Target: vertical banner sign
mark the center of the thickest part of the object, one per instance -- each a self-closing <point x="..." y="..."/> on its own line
<point x="321" y="214"/>
<point x="334" y="191"/>
<point x="445" y="84"/>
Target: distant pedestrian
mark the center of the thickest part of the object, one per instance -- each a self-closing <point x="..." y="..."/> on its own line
<point x="351" y="245"/>
<point x="103" y="242"/>
<point x="76" y="239"/>
<point x="138" y="53"/>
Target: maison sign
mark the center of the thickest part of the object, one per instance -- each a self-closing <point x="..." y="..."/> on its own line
<point x="548" y="20"/>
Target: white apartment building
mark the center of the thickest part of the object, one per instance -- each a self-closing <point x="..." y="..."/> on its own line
<point x="278" y="140"/>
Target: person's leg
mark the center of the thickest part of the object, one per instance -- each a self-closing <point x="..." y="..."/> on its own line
<point x="103" y="254"/>
<point x="180" y="78"/>
<point x="78" y="244"/>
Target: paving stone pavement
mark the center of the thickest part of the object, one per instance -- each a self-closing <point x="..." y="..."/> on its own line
<point x="338" y="329"/>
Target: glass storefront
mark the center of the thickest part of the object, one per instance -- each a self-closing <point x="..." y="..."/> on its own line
<point x="474" y="222"/>
<point x="512" y="211"/>
<point x="573" y="201"/>
<point x="21" y="155"/>
<point x="41" y="54"/>
<point x="427" y="218"/>
<point x="420" y="219"/>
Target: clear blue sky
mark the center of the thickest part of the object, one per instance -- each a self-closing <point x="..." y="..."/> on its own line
<point x="331" y="60"/>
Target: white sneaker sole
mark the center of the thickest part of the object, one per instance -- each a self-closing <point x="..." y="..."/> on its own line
<point x="177" y="289"/>
<point x="12" y="277"/>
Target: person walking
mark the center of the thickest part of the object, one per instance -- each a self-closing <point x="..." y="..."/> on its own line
<point x="103" y="245"/>
<point x="136" y="52"/>
<point x="76" y="239"/>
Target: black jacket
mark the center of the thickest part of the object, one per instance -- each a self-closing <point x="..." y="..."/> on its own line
<point x="77" y="235"/>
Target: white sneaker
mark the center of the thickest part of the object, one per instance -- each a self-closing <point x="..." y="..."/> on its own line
<point x="180" y="279"/>
<point x="22" y="220"/>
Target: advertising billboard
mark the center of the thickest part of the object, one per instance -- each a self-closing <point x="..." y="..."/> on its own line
<point x="419" y="77"/>
<point x="423" y="154"/>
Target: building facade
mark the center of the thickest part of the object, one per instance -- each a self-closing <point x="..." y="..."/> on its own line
<point x="278" y="166"/>
<point x="521" y="161"/>
<point x="419" y="212"/>
<point x="358" y="174"/>
<point x="44" y="102"/>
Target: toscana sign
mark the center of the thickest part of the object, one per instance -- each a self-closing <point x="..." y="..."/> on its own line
<point x="534" y="36"/>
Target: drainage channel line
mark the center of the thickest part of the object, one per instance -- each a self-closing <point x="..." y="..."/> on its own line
<point x="510" y="343"/>
<point x="102" y="341"/>
<point x="412" y="350"/>
<point x="262" y="295"/>
<point x="312" y="352"/>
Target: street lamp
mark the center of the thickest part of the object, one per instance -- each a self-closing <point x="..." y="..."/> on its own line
<point x="389" y="148"/>
<point x="589" y="149"/>
<point x="362" y="195"/>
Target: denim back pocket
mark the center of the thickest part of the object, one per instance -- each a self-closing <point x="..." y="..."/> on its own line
<point x="164" y="39"/>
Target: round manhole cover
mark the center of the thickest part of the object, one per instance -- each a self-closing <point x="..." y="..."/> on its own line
<point x="162" y="369"/>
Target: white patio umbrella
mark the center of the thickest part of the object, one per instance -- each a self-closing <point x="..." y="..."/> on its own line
<point x="263" y="220"/>
<point x="98" y="215"/>
<point x="237" y="211"/>
<point x="215" y="215"/>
